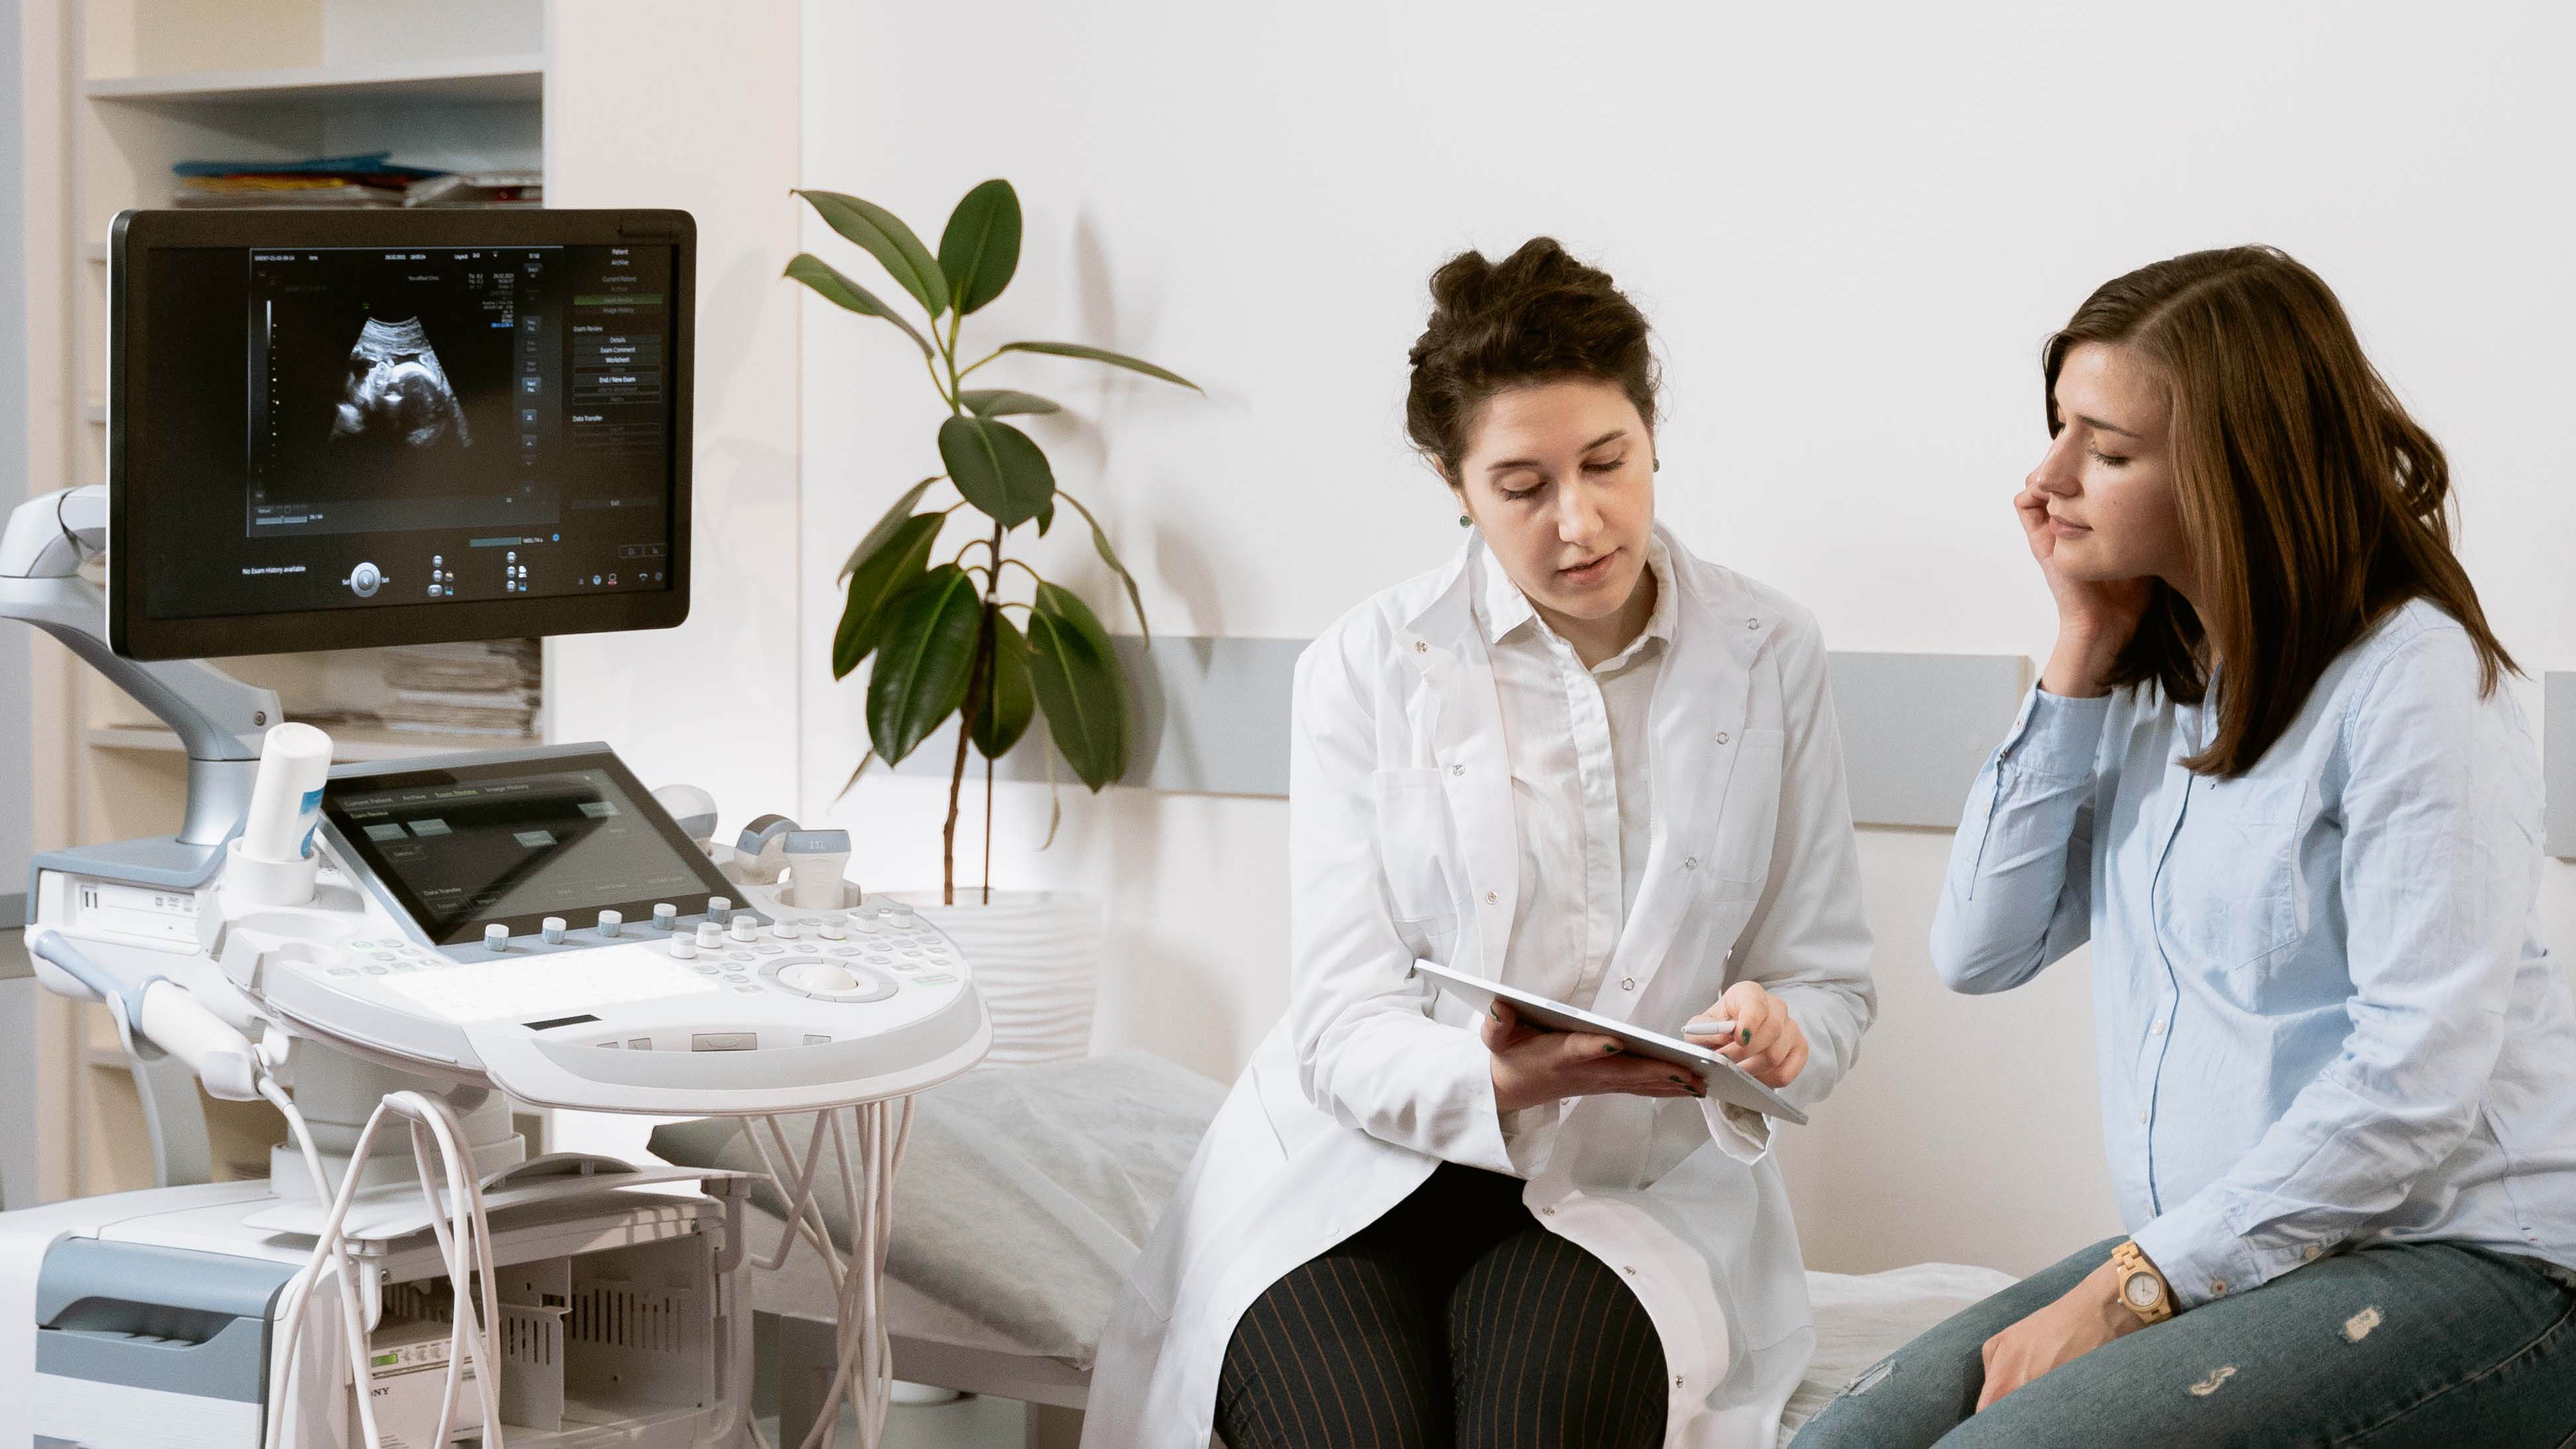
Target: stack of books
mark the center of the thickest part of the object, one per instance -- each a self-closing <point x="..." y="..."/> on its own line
<point x="463" y="689"/>
<point x="369" y="180"/>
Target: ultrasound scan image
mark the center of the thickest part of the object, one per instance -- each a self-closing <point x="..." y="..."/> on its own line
<point x="396" y="391"/>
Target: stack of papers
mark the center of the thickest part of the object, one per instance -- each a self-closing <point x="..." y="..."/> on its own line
<point x="464" y="689"/>
<point x="371" y="179"/>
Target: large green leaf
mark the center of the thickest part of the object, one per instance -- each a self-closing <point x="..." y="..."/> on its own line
<point x="980" y="248"/>
<point x="885" y="526"/>
<point x="1100" y="354"/>
<point x="924" y="662"/>
<point x="1109" y="556"/>
<point x="820" y="275"/>
<point x="994" y="402"/>
<point x="1004" y="716"/>
<point x="881" y="578"/>
<point x="1000" y="469"/>
<point x="888" y="240"/>
<point x="1074" y="673"/>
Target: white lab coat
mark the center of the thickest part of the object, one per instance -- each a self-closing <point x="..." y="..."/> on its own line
<point x="1402" y="845"/>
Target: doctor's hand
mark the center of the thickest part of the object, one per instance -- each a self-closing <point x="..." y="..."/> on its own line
<point x="1765" y="1039"/>
<point x="1532" y="1065"/>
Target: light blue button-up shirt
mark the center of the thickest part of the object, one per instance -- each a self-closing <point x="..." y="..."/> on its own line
<point x="2325" y="1015"/>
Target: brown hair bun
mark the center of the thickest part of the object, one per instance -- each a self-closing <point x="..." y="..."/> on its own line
<point x="1537" y="315"/>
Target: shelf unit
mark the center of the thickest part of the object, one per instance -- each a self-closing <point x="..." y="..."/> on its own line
<point x="457" y="86"/>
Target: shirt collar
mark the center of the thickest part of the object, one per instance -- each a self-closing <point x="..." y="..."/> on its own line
<point x="1504" y="608"/>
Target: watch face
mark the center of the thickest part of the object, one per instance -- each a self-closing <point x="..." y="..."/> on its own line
<point x="2140" y="1290"/>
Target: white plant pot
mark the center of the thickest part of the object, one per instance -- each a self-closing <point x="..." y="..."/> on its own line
<point x="1036" y="958"/>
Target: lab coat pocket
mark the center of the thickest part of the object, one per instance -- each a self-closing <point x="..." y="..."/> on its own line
<point x="2231" y="889"/>
<point x="1414" y="856"/>
<point x="1748" y="816"/>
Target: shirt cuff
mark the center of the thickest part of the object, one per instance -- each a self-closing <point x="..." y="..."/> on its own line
<point x="1739" y="1133"/>
<point x="2056" y="735"/>
<point x="2202" y="1258"/>
<point x="1465" y="1067"/>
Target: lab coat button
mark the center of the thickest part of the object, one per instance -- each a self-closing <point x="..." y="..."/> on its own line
<point x="1752" y="623"/>
<point x="1457" y="769"/>
<point x="1421" y="648"/>
<point x="1629" y="1268"/>
<point x="1491" y="898"/>
<point x="1721" y="737"/>
<point x="1690" y="862"/>
<point x="1629" y="984"/>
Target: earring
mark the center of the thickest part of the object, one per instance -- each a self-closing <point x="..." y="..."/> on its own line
<point x="1659" y="465"/>
<point x="1462" y="520"/>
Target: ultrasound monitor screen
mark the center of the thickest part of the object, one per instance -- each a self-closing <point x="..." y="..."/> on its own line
<point x="478" y="432"/>
<point x="468" y="845"/>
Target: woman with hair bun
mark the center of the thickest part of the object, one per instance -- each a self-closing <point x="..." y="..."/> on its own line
<point x="1582" y="762"/>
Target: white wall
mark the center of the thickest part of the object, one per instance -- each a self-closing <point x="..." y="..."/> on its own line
<point x="1852" y="227"/>
<point x="676" y="104"/>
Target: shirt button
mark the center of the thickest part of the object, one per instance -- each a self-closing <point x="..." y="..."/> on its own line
<point x="1421" y="648"/>
<point x="2217" y="1287"/>
<point x="1752" y="623"/>
<point x="1457" y="769"/>
<point x="1721" y="737"/>
<point x="1630" y="984"/>
<point x="1491" y="898"/>
<point x="2156" y="1028"/>
<point x="1690" y="862"/>
<point x="2310" y="1252"/>
<point x="2142" y="1119"/>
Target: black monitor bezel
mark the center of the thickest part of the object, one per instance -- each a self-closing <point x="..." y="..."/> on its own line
<point x="485" y="765"/>
<point x="135" y="634"/>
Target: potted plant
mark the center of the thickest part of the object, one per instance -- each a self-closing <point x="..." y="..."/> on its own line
<point x="940" y="624"/>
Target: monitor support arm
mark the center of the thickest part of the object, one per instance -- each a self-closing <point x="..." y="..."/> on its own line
<point x="219" y="719"/>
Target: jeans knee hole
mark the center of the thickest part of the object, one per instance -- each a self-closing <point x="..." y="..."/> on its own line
<point x="1870" y="1378"/>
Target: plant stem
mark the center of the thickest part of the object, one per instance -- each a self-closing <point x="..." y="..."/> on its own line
<point x="957" y="773"/>
<point x="978" y="685"/>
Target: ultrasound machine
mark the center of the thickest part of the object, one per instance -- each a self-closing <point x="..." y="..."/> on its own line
<point x="350" y="429"/>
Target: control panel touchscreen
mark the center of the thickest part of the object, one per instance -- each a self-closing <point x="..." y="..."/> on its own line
<point x="512" y="841"/>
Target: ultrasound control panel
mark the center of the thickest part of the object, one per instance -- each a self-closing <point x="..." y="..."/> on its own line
<point x="715" y="997"/>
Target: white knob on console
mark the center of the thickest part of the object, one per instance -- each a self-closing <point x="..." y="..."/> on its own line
<point x="785" y="930"/>
<point x="551" y="930"/>
<point x="683" y="949"/>
<point x="819" y="976"/>
<point x="665" y="915"/>
<point x="745" y="928"/>
<point x="832" y="929"/>
<point x="496" y="937"/>
<point x="611" y="924"/>
<point x="710" y="935"/>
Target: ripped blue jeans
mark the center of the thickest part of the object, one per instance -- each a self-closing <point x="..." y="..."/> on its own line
<point x="2428" y="1344"/>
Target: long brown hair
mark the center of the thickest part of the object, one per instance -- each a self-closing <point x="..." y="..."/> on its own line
<point x="2311" y="503"/>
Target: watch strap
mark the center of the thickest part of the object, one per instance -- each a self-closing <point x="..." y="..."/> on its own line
<point x="2129" y="1264"/>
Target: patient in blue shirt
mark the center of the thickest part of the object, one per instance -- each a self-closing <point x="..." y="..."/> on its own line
<point x="2272" y="774"/>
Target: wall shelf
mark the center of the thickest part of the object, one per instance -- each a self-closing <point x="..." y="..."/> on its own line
<point x="347" y="744"/>
<point x="490" y="78"/>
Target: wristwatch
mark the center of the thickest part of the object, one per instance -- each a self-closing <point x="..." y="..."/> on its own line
<point x="2142" y="1288"/>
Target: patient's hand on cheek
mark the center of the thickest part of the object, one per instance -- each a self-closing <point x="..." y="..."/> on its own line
<point x="1764" y="1038"/>
<point x="1532" y="1066"/>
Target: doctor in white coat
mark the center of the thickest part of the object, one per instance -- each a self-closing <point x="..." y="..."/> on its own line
<point x="1575" y="759"/>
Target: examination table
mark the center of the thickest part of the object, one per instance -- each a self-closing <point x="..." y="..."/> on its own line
<point x="1025" y="1195"/>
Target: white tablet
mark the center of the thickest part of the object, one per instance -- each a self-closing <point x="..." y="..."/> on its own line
<point x="1726" y="1081"/>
